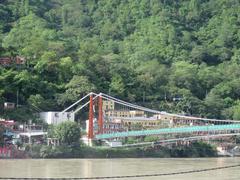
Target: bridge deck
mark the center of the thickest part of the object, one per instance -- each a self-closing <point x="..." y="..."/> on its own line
<point x="178" y="130"/>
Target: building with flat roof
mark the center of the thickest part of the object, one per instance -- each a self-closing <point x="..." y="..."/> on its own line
<point x="108" y="105"/>
<point x="9" y="105"/>
<point x="54" y="117"/>
<point x="117" y="113"/>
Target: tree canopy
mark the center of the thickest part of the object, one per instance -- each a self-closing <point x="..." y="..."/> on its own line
<point x="147" y="52"/>
<point x="67" y="132"/>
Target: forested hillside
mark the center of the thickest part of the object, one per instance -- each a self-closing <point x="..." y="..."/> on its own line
<point x="178" y="56"/>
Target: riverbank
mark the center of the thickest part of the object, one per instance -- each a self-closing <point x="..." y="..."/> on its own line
<point x="197" y="149"/>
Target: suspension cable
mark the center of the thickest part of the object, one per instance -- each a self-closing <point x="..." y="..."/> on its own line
<point x="129" y="104"/>
<point x="107" y="97"/>
<point x="124" y="103"/>
<point x="76" y="103"/>
<point x="96" y="95"/>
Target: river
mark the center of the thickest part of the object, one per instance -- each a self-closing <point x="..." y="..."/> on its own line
<point x="76" y="168"/>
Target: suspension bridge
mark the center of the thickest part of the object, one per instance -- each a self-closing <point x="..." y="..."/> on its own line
<point x="112" y="119"/>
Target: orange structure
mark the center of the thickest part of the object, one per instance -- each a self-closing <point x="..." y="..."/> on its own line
<point x="100" y="115"/>
<point x="90" y="130"/>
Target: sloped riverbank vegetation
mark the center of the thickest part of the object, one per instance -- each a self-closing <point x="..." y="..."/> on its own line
<point x="194" y="150"/>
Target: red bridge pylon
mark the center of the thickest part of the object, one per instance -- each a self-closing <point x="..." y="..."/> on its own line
<point x="100" y="115"/>
<point x="90" y="130"/>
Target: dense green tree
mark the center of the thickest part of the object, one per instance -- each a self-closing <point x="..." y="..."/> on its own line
<point x="236" y="111"/>
<point x="214" y="105"/>
<point x="209" y="76"/>
<point x="29" y="36"/>
<point x="67" y="132"/>
<point x="76" y="88"/>
<point x="37" y="101"/>
<point x="184" y="75"/>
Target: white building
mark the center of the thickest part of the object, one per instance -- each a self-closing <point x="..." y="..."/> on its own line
<point x="9" y="105"/>
<point x="56" y="117"/>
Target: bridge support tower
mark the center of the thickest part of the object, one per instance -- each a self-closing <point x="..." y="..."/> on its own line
<point x="90" y="127"/>
<point x="100" y="115"/>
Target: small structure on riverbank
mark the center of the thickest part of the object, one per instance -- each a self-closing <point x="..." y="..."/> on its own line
<point x="53" y="142"/>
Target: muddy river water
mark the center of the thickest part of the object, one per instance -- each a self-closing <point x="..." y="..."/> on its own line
<point x="80" y="168"/>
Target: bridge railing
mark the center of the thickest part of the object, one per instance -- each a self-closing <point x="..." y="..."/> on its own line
<point x="179" y="130"/>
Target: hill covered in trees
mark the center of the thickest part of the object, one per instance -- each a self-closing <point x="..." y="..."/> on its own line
<point x="177" y="56"/>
